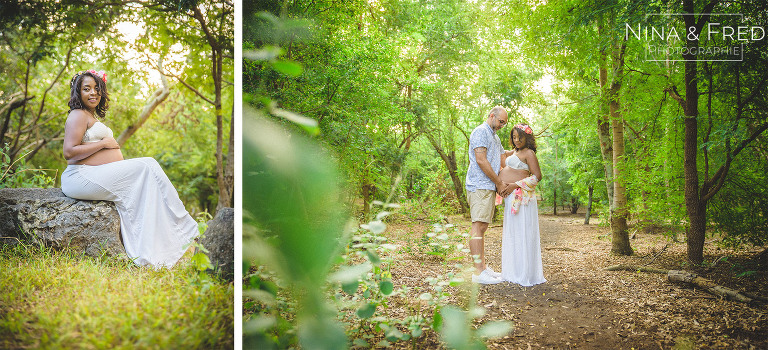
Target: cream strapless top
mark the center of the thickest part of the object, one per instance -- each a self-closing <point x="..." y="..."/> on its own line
<point x="96" y="132"/>
<point x="515" y="163"/>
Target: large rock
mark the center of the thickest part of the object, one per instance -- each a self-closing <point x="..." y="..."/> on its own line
<point x="219" y="240"/>
<point x="49" y="217"/>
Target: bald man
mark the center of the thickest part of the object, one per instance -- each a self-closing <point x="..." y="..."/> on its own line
<point x="482" y="184"/>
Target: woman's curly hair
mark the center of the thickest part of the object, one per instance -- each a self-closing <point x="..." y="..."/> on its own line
<point x="76" y="101"/>
<point x="530" y="141"/>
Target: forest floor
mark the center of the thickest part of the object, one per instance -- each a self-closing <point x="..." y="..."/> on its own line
<point x="582" y="305"/>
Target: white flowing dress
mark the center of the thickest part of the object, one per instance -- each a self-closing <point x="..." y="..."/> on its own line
<point x="155" y="226"/>
<point x="520" y="245"/>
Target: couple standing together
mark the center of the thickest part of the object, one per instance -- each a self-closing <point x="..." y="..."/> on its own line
<point x="513" y="175"/>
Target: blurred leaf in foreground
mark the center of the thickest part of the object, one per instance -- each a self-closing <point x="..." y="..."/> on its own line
<point x="293" y="218"/>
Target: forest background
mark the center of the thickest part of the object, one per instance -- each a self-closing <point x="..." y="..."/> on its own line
<point x="672" y="144"/>
<point x="182" y="117"/>
<point x="170" y="77"/>
<point x="397" y="86"/>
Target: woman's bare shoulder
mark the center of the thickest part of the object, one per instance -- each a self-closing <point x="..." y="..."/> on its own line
<point x="78" y="116"/>
<point x="526" y="153"/>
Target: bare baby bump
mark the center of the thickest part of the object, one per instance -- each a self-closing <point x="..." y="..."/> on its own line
<point x="103" y="156"/>
<point x="510" y="175"/>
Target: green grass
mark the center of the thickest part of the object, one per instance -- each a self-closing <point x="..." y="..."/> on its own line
<point x="60" y="300"/>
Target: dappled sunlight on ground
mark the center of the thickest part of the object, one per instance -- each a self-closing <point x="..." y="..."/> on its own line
<point x="584" y="306"/>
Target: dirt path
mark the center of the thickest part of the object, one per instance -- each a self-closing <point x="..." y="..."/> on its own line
<point x="566" y="311"/>
<point x="584" y="306"/>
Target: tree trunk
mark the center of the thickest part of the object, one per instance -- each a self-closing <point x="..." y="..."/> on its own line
<point x="574" y="205"/>
<point x="554" y="178"/>
<point x="368" y="191"/>
<point x="554" y="201"/>
<point x="15" y="101"/>
<point x="229" y="167"/>
<point x="226" y="185"/>
<point x="398" y="163"/>
<point x="589" y="206"/>
<point x="709" y="286"/>
<point x="158" y="97"/>
<point x="632" y="268"/>
<point x="695" y="205"/>
<point x="695" y="236"/>
<point x="679" y="276"/>
<point x="620" y="234"/>
<point x="604" y="126"/>
<point x="409" y="193"/>
<point x="458" y="186"/>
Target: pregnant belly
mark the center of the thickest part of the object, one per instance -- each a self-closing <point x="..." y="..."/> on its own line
<point x="510" y="175"/>
<point x="103" y="156"/>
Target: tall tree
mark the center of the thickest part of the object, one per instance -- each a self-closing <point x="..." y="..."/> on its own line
<point x="619" y="209"/>
<point x="603" y="123"/>
<point x="694" y="201"/>
<point x="436" y="40"/>
<point x="697" y="192"/>
<point x="214" y="23"/>
<point x="589" y="30"/>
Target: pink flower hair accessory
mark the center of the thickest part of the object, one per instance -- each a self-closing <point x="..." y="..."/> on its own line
<point x="525" y="128"/>
<point x="101" y="74"/>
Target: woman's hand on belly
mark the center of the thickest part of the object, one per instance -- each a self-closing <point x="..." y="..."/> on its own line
<point x="103" y="156"/>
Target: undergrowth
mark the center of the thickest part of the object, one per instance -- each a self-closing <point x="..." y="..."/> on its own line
<point x="52" y="299"/>
<point x="374" y="311"/>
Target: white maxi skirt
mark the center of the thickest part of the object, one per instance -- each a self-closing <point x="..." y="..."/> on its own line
<point x="154" y="224"/>
<point x="520" y="244"/>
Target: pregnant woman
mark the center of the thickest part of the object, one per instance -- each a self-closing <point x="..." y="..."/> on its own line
<point x="520" y="246"/>
<point x="153" y="222"/>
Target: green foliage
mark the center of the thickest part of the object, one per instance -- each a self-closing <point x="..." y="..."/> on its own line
<point x="16" y="174"/>
<point x="740" y="211"/>
<point x="299" y="184"/>
<point x="46" y="42"/>
<point x="293" y="222"/>
<point x="427" y="191"/>
<point x="457" y="334"/>
<point x="378" y="81"/>
<point x="200" y="260"/>
<point x="367" y="289"/>
<point x="39" y="39"/>
<point x="555" y="168"/>
<point x="294" y="228"/>
<point x="361" y="289"/>
<point x="391" y="90"/>
<point x="441" y="242"/>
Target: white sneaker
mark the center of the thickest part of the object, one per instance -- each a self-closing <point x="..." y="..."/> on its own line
<point x="485" y="278"/>
<point x="493" y="273"/>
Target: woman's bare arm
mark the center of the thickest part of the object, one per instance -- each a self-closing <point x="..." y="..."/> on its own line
<point x="74" y="129"/>
<point x="533" y="164"/>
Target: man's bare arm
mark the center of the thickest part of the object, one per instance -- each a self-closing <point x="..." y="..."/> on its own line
<point x="481" y="156"/>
